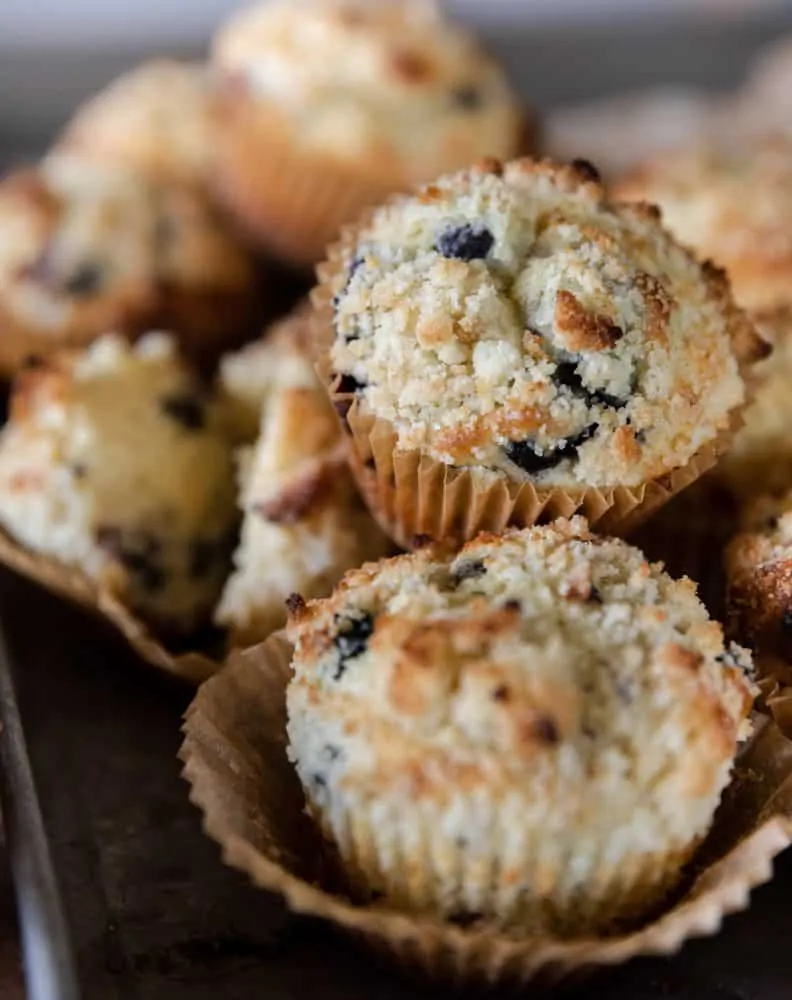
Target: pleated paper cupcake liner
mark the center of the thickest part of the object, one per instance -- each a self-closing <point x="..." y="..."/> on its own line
<point x="235" y="761"/>
<point x="75" y="586"/>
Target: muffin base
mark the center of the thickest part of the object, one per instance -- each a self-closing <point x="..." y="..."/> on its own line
<point x="292" y="200"/>
<point x="416" y="499"/>
<point x="234" y="756"/>
<point x="75" y="586"/>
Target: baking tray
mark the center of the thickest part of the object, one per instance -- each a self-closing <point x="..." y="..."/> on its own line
<point x="120" y="895"/>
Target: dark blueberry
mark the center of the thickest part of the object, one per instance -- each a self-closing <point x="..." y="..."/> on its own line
<point x="624" y="691"/>
<point x="79" y="470"/>
<point x="348" y="384"/>
<point x="546" y="730"/>
<point x="203" y="554"/>
<point x="331" y="753"/>
<point x="640" y="436"/>
<point x="594" y="597"/>
<point x="501" y="693"/>
<point x="587" y="170"/>
<point x="138" y="552"/>
<point x="786" y="622"/>
<point x="352" y="640"/>
<point x="420" y="542"/>
<point x="771" y="523"/>
<point x="317" y="782"/>
<point x="86" y="280"/>
<point x="464" y="919"/>
<point x="524" y="453"/>
<point x="149" y="574"/>
<point x="461" y="843"/>
<point x="465" y="243"/>
<point x="468" y="570"/>
<point x="566" y="374"/>
<point x="33" y="362"/>
<point x="512" y="605"/>
<point x="186" y="409"/>
<point x="468" y="97"/>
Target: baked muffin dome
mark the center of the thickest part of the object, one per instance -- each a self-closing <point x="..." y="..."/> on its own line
<point x="535" y="731"/>
<point x="732" y="204"/>
<point x="86" y="247"/>
<point x="392" y="87"/>
<point x="157" y="118"/>
<point x="759" y="574"/>
<point x="303" y="523"/>
<point x="115" y="462"/>
<point x="513" y="319"/>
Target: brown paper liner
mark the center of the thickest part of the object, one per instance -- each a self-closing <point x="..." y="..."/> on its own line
<point x="292" y="200"/>
<point x="234" y="755"/>
<point x="74" y="585"/>
<point x="413" y="496"/>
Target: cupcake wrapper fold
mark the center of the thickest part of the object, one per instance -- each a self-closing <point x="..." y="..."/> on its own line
<point x="234" y="756"/>
<point x="289" y="199"/>
<point x="417" y="498"/>
<point x="75" y="586"/>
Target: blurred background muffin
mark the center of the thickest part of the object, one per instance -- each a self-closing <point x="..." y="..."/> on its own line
<point x="88" y="246"/>
<point x="116" y="463"/>
<point x="156" y="119"/>
<point x="329" y="105"/>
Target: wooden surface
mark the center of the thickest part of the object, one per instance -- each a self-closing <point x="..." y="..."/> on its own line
<point x="153" y="912"/>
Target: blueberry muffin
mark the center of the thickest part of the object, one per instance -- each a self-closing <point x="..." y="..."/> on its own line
<point x="304" y="524"/>
<point x="759" y="575"/>
<point x="115" y="463"/>
<point x="732" y="204"/>
<point x="329" y="105"/>
<point x="156" y="119"/>
<point x="510" y="334"/>
<point x="88" y="247"/>
<point x="535" y="731"/>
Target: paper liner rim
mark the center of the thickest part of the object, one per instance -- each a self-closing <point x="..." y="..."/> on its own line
<point x="74" y="585"/>
<point x="731" y="878"/>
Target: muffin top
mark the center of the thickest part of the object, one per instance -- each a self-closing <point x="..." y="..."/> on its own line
<point x="512" y="318"/>
<point x="548" y="655"/>
<point x="76" y="235"/>
<point x="759" y="573"/>
<point x="732" y="204"/>
<point x="115" y="460"/>
<point x="373" y="80"/>
<point x="155" y="118"/>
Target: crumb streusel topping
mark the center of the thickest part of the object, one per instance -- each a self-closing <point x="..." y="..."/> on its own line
<point x="513" y="318"/>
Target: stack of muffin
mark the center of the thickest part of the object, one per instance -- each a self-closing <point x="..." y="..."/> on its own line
<point x="515" y="721"/>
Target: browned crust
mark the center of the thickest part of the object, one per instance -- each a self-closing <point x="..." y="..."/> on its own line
<point x="581" y="330"/>
<point x="308" y="491"/>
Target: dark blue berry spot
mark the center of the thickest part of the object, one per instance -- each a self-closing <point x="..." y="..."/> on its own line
<point x="86" y="280"/>
<point x="186" y="409"/>
<point x="567" y="375"/>
<point x="352" y="640"/>
<point x="786" y="622"/>
<point x="525" y="454"/>
<point x="468" y="570"/>
<point x="465" y="242"/>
